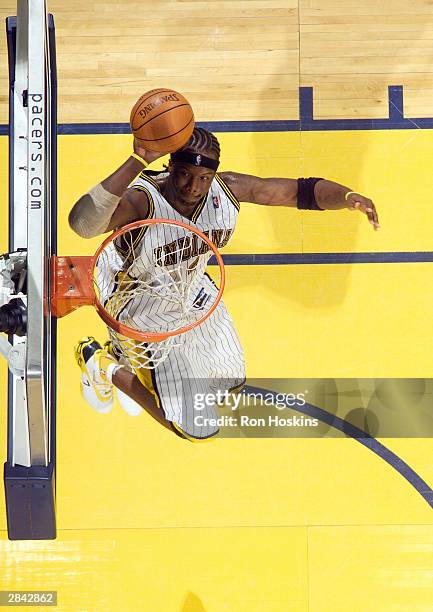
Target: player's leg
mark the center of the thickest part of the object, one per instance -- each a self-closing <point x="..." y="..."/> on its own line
<point x="100" y="371"/>
<point x="129" y="383"/>
<point x="167" y="393"/>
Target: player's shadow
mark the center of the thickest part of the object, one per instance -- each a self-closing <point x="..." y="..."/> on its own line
<point x="351" y="158"/>
<point x="339" y="158"/>
<point x="319" y="232"/>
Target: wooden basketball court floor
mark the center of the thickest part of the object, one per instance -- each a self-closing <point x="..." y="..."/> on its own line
<point x="149" y="522"/>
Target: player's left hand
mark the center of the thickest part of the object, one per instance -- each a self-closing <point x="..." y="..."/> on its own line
<point x="356" y="201"/>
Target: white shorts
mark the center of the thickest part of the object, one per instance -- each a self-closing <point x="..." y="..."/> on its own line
<point x="210" y="359"/>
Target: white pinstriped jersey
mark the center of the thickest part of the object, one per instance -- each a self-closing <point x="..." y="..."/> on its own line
<point x="215" y="215"/>
<point x="210" y="356"/>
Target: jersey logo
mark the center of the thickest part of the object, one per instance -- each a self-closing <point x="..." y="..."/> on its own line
<point x="188" y="247"/>
<point x="216" y="201"/>
<point x="200" y="299"/>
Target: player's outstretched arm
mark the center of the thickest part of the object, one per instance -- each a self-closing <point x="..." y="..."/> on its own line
<point x="310" y="194"/>
<point x="109" y="204"/>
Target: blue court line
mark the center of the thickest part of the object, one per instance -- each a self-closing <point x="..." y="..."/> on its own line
<point x="363" y="438"/>
<point x="306" y="122"/>
<point x="278" y="259"/>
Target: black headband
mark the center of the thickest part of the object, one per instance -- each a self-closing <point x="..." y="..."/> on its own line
<point x="195" y="159"/>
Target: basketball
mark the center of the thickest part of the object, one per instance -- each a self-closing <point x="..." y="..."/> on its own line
<point x="162" y="120"/>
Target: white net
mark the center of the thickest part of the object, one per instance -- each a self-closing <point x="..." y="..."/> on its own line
<point x="150" y="279"/>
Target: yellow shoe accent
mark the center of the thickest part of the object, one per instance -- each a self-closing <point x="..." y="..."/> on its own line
<point x="104" y="359"/>
<point x="108" y="346"/>
<point x="86" y="341"/>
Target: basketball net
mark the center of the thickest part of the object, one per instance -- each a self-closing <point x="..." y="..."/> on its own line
<point x="147" y="283"/>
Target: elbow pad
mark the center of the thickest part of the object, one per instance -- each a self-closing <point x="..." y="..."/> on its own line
<point x="306" y="199"/>
<point x="92" y="213"/>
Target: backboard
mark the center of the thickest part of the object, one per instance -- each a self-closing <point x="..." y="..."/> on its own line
<point x="29" y="473"/>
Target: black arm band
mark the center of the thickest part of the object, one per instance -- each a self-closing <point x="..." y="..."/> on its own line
<point x="306" y="199"/>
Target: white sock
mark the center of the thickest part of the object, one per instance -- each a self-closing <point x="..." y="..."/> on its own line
<point x="111" y="370"/>
<point x="128" y="404"/>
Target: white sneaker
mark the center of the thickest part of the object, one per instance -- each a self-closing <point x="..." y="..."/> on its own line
<point x="95" y="388"/>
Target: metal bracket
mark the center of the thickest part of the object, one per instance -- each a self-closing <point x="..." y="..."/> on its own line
<point x="13" y="276"/>
<point x="13" y="273"/>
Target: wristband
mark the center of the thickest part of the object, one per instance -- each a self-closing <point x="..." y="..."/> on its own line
<point x="350" y="193"/>
<point x="140" y="159"/>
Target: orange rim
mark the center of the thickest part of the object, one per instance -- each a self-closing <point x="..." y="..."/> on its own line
<point x="155" y="336"/>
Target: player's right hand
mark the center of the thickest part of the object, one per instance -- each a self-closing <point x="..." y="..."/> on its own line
<point x="148" y="156"/>
<point x="356" y="201"/>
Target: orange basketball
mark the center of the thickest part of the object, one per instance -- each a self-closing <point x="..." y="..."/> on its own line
<point x="162" y="120"/>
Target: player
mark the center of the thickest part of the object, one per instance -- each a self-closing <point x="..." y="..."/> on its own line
<point x="189" y="189"/>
